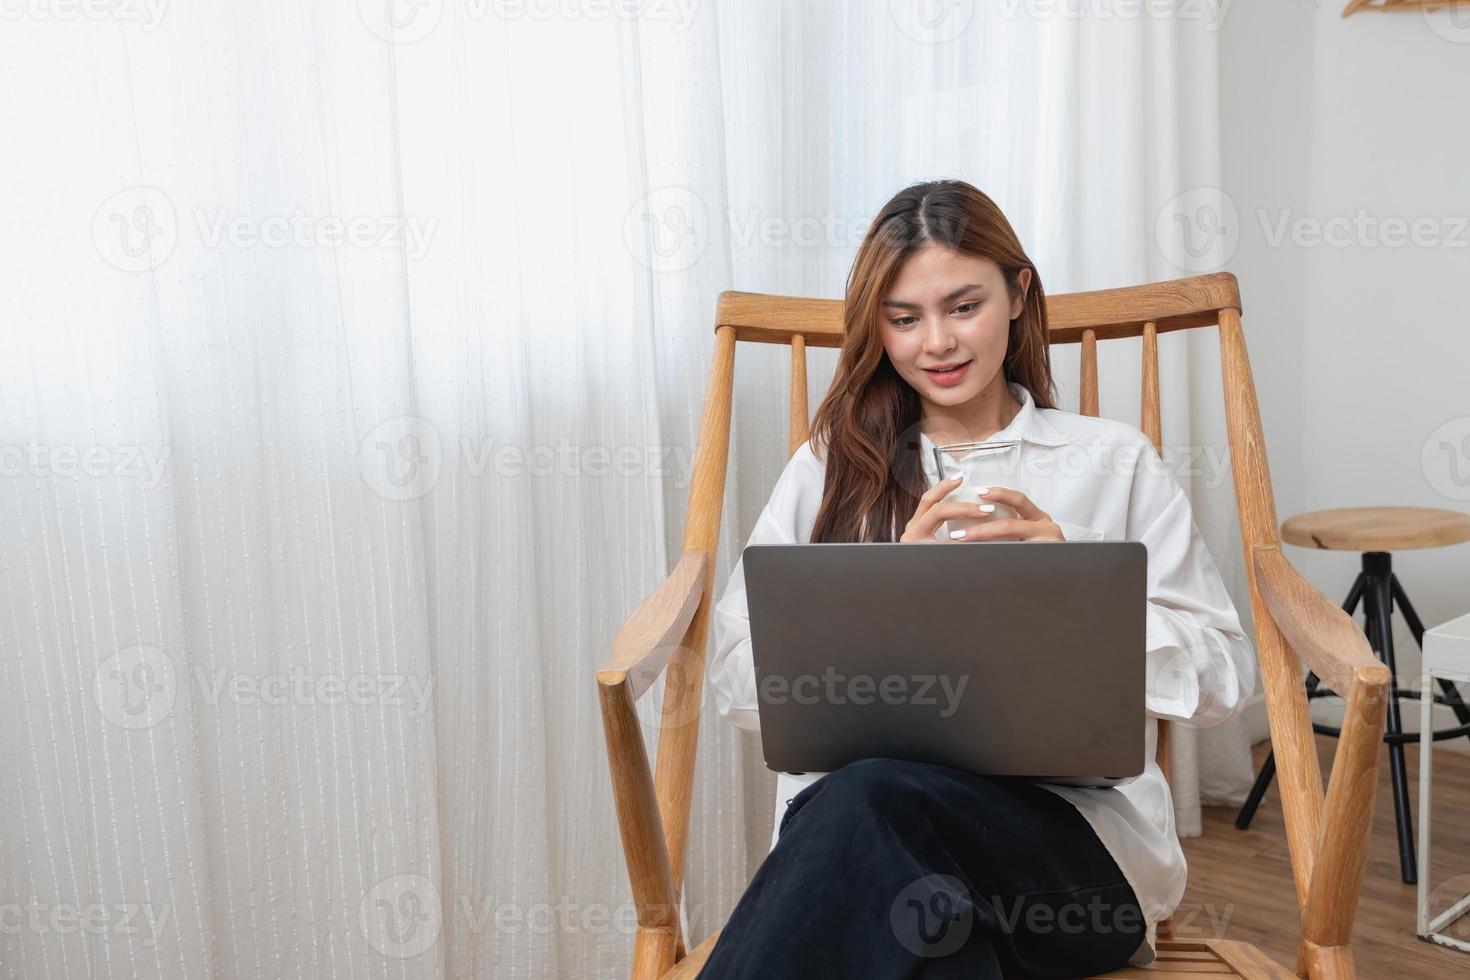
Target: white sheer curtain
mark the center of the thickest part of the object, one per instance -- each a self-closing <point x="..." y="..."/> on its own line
<point x="352" y="360"/>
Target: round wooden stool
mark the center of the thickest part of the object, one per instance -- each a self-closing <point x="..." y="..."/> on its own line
<point x="1377" y="532"/>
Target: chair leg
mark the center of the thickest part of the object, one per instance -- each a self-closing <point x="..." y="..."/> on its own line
<point x="1451" y="692"/>
<point x="1268" y="768"/>
<point x="1379" y="602"/>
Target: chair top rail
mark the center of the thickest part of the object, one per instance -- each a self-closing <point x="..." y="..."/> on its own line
<point x="1178" y="304"/>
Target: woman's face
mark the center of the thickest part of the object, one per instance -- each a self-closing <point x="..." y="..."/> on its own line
<point x="947" y="309"/>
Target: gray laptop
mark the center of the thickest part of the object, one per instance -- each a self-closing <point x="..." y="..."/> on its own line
<point x="1003" y="658"/>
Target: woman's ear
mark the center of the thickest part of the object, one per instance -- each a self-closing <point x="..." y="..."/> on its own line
<point x="1019" y="302"/>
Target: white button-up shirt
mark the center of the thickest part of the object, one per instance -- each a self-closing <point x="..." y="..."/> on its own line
<point x="1098" y="479"/>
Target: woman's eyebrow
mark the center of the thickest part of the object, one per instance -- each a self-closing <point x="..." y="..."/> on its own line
<point x="953" y="294"/>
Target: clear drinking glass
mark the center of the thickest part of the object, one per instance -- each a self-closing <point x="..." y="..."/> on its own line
<point x="967" y="492"/>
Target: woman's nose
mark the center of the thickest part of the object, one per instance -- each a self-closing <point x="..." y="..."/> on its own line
<point x="937" y="339"/>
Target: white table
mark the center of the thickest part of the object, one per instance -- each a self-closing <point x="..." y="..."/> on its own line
<point x="1447" y="655"/>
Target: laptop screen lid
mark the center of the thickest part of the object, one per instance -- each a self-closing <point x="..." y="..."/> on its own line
<point x="999" y="658"/>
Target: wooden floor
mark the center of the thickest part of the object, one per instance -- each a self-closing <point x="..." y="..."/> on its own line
<point x="1240" y="881"/>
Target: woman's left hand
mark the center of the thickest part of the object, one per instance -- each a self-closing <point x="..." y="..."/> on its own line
<point x="1032" y="524"/>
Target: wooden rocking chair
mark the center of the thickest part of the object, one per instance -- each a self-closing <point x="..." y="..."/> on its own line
<point x="1295" y="624"/>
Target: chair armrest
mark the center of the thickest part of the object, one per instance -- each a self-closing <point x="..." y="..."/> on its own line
<point x="1327" y="639"/>
<point x="640" y="824"/>
<point x="641" y="651"/>
<point x="1316" y="628"/>
<point x="652" y="634"/>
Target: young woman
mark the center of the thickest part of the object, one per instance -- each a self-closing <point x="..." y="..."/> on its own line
<point x="886" y="868"/>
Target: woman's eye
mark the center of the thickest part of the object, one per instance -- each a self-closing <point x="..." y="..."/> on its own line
<point x="965" y="308"/>
<point x="903" y="321"/>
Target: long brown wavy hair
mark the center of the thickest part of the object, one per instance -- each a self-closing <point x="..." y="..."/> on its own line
<point x="867" y="426"/>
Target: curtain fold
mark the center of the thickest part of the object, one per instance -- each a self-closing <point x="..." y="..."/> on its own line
<point x="354" y="358"/>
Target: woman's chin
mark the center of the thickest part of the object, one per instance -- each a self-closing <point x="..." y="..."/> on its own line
<point x="951" y="394"/>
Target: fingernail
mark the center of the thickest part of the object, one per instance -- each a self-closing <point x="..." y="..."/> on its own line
<point x="982" y="491"/>
<point x="987" y="508"/>
<point x="956" y="534"/>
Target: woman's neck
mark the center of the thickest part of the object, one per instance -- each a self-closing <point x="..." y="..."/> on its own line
<point x="976" y="420"/>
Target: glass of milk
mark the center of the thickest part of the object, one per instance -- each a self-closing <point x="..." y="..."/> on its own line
<point x="969" y="493"/>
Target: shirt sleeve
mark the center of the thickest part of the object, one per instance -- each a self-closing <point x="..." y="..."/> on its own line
<point x="1200" y="665"/>
<point x="788" y="518"/>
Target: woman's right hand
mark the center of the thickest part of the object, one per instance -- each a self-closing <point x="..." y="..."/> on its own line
<point x="934" y="510"/>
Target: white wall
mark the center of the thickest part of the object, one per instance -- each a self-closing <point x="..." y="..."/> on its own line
<point x="1360" y="347"/>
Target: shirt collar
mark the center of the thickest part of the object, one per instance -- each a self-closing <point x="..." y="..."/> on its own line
<point x="1029" y="425"/>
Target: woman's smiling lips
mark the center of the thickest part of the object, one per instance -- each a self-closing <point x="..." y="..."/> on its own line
<point x="953" y="376"/>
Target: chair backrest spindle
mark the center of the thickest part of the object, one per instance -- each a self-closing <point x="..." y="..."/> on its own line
<point x="799" y="430"/>
<point x="1087" y="398"/>
<point x="1152" y="426"/>
<point x="1150" y="422"/>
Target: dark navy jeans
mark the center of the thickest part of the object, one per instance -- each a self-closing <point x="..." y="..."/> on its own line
<point x="903" y="869"/>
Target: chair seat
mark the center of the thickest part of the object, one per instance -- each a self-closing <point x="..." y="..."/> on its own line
<point x="1377" y="528"/>
<point x="1178" y="959"/>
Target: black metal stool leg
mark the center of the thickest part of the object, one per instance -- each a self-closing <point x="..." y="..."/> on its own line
<point x="1379" y="602"/>
<point x="1257" y="793"/>
<point x="1407" y="608"/>
<point x="1451" y="692"/>
<point x="1268" y="768"/>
